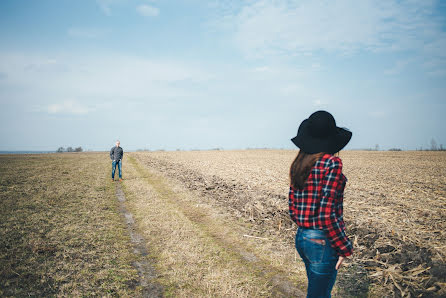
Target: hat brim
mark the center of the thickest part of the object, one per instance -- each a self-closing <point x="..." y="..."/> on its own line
<point x="330" y="144"/>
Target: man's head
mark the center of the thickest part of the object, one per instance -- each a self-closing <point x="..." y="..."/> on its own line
<point x="118" y="143"/>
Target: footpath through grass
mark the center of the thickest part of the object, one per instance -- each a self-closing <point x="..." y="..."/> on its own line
<point x="197" y="250"/>
<point x="61" y="233"/>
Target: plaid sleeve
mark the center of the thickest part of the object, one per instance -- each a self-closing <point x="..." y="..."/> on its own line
<point x="292" y="205"/>
<point x="327" y="213"/>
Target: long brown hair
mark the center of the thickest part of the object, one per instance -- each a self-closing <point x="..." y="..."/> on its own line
<point x="301" y="167"/>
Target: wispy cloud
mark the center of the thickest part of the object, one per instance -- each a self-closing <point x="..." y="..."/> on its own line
<point x="45" y="65"/>
<point x="148" y="10"/>
<point x="106" y="5"/>
<point x="264" y="28"/>
<point x="100" y="76"/>
<point x="318" y="103"/>
<point x="68" y="107"/>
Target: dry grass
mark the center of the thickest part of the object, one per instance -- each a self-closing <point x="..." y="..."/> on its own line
<point x="60" y="230"/>
<point x="398" y="211"/>
<point x="394" y="209"/>
<point x="197" y="251"/>
<point x="216" y="223"/>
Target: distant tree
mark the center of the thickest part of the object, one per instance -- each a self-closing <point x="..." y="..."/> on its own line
<point x="78" y="149"/>
<point x="70" y="149"/>
<point x="60" y="149"/>
<point x="376" y="147"/>
<point x="395" y="149"/>
<point x="434" y="146"/>
<point x="441" y="147"/>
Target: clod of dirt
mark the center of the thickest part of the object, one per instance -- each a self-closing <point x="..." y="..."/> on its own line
<point x="438" y="270"/>
<point x="353" y="282"/>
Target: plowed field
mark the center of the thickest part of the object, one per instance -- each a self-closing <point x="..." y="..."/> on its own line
<point x="394" y="209"/>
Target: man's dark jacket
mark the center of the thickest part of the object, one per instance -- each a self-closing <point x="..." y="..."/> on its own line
<point x="116" y="153"/>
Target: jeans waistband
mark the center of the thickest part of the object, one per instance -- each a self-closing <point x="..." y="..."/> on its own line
<point x="312" y="232"/>
<point x="304" y="228"/>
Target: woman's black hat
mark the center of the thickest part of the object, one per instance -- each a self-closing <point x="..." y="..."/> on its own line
<point x="319" y="133"/>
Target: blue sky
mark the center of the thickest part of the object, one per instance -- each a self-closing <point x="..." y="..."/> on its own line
<point x="228" y="74"/>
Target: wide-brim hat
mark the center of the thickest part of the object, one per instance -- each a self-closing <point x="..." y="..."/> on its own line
<point x="319" y="133"/>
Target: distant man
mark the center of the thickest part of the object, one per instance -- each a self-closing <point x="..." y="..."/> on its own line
<point x="116" y="155"/>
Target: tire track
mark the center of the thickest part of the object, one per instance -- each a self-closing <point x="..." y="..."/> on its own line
<point x="281" y="285"/>
<point x="146" y="271"/>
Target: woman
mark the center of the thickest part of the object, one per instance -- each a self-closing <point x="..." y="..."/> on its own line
<point x="315" y="200"/>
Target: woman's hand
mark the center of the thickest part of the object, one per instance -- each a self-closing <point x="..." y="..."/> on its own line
<point x="339" y="263"/>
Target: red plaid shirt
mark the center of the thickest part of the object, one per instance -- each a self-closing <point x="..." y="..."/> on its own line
<point x="319" y="204"/>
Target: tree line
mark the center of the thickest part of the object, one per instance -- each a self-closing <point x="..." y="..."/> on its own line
<point x="69" y="149"/>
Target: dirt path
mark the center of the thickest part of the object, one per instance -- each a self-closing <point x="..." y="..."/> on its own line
<point x="147" y="274"/>
<point x="229" y="243"/>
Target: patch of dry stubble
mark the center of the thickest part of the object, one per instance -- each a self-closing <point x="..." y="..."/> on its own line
<point x="191" y="263"/>
<point x="394" y="208"/>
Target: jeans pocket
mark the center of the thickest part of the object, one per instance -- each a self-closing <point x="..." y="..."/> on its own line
<point x="314" y="249"/>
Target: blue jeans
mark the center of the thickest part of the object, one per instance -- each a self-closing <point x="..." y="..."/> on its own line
<point x="320" y="261"/>
<point x="114" y="163"/>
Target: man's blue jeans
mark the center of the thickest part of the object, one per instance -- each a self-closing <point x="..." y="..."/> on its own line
<point x="114" y="163"/>
<point x="320" y="261"/>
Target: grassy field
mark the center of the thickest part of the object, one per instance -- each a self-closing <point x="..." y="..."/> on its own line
<point x="214" y="223"/>
<point x="60" y="230"/>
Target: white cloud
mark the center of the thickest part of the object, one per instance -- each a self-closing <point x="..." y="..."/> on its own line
<point x="319" y="103"/>
<point x="264" y="28"/>
<point x="68" y="107"/>
<point x="45" y="65"/>
<point x="98" y="78"/>
<point x="148" y="10"/>
<point x="107" y="5"/>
